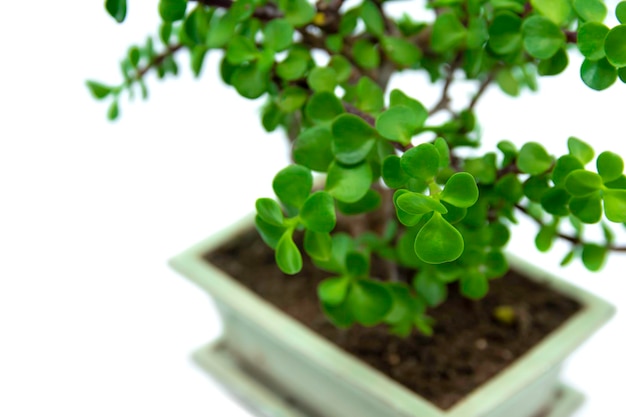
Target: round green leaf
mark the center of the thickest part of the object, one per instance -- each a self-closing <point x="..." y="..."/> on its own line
<point x="564" y="165"/>
<point x="474" y="285"/>
<point x="533" y="159"/>
<point x="510" y="188"/>
<point x="610" y="166"/>
<point x="460" y="190"/>
<point x="398" y="98"/>
<point x="505" y="36"/>
<point x="416" y="203"/>
<point x="349" y="183"/>
<point x="288" y="256"/>
<point x="438" y="241"/>
<point x="370" y="97"/>
<point x="448" y="33"/>
<point x="353" y="139"/>
<point x="615" y="46"/>
<point x="542" y="37"/>
<point x="590" y="40"/>
<point x="598" y="75"/>
<point x="269" y="211"/>
<point x="555" y="200"/>
<point x="293" y="184"/>
<point x="372" y="18"/>
<point x="117" y="9"/>
<point x="433" y="290"/>
<point x="590" y="10"/>
<point x="292" y="98"/>
<point x="318" y="212"/>
<point x="322" y="79"/>
<point x="554" y="65"/>
<point x="615" y="205"/>
<point x="581" y="183"/>
<point x="270" y="234"/>
<point x="535" y="187"/>
<point x="370" y="202"/>
<point x="333" y="291"/>
<point x="172" y="10"/>
<point x="241" y="49"/>
<point x="369" y="301"/>
<point x="318" y="245"/>
<point x="295" y="65"/>
<point x="342" y="67"/>
<point x="250" y="81"/>
<point x="421" y="162"/>
<point x="588" y="209"/>
<point x="312" y="148"/>
<point x="545" y="237"/>
<point x="401" y="51"/>
<point x="620" y="11"/>
<point x="581" y="150"/>
<point x="323" y="107"/>
<point x="593" y="256"/>
<point x="366" y="54"/>
<point x="297" y="12"/>
<point x="392" y="173"/>
<point x="397" y="124"/>
<point x="278" y="35"/>
<point x="404" y="217"/>
<point x="557" y="11"/>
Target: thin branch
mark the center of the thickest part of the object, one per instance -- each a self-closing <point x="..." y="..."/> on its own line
<point x="572" y="239"/>
<point x="444" y="101"/>
<point x="481" y="90"/>
<point x="267" y="12"/>
<point x="158" y="60"/>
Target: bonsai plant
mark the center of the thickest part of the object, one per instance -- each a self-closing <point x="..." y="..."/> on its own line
<point x="442" y="206"/>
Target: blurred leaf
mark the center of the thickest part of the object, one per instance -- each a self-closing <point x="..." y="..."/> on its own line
<point x="598" y="75"/>
<point x="542" y="37"/>
<point x="278" y="35"/>
<point x="615" y="205"/>
<point x="333" y="291"/>
<point x="448" y="33"/>
<point x="353" y="139"/>
<point x="581" y="183"/>
<point x="590" y="10"/>
<point x="369" y="302"/>
<point x="615" y="46"/>
<point x="533" y="159"/>
<point x="318" y="212"/>
<point x="372" y="18"/>
<point x="588" y="209"/>
<point x="323" y="107"/>
<point x="288" y="256"/>
<point x="293" y="184"/>
<point x="172" y="10"/>
<point x="312" y="148"/>
<point x="318" y="245"/>
<point x="590" y="40"/>
<point x="610" y="166"/>
<point x="117" y="9"/>
<point x="474" y="284"/>
<point x="269" y="210"/>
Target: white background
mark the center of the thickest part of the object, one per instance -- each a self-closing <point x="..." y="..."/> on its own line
<point x="92" y="321"/>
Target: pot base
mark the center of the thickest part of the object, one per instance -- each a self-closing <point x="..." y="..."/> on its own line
<point x="257" y="395"/>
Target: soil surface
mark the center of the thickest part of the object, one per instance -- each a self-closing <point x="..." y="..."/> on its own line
<point x="469" y="345"/>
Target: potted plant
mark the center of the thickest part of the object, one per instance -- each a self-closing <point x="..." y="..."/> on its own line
<point x="408" y="213"/>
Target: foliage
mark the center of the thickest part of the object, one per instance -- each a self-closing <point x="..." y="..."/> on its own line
<point x="376" y="150"/>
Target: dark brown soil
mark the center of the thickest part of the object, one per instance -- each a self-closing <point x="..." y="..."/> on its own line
<point x="469" y="345"/>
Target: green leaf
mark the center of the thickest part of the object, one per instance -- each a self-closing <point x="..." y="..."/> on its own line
<point x="508" y="83"/>
<point x="117" y="9"/>
<point x="349" y="183"/>
<point x="172" y="10"/>
<point x="620" y="11"/>
<point x="448" y="33"/>
<point x="533" y="159"/>
<point x="542" y="37"/>
<point x="241" y="49"/>
<point x="196" y="25"/>
<point x="545" y="237"/>
<point x="590" y="10"/>
<point x="270" y="234"/>
<point x="535" y="187"/>
<point x="421" y="161"/>
<point x="581" y="150"/>
<point x="99" y="90"/>
<point x="369" y="302"/>
<point x="510" y="188"/>
<point x="198" y="55"/>
<point x="615" y="205"/>
<point x="333" y="291"/>
<point x="438" y="241"/>
<point x="366" y="54"/>
<point x="564" y="165"/>
<point x="357" y="264"/>
<point x="292" y="98"/>
<point x="318" y="212"/>
<point x="444" y="152"/>
<point x="416" y="203"/>
<point x="295" y="65"/>
<point x="114" y="111"/>
<point x="323" y="107"/>
<point x="615" y="46"/>
<point x="269" y="210"/>
<point x="297" y="12"/>
<point x="460" y="190"/>
<point x="477" y="33"/>
<point x="221" y="30"/>
<point x="509" y="151"/>
<point x="401" y="51"/>
<point x="505" y="36"/>
<point x="405" y="218"/>
<point x="334" y="43"/>
<point x="249" y="81"/>
<point x="312" y="148"/>
<point x="593" y="256"/>
<point x="598" y="75"/>
<point x="370" y="97"/>
<point x="588" y="209"/>
<point x="398" y="98"/>
<point x="554" y="65"/>
<point x="581" y="183"/>
<point x="322" y="79"/>
<point x="288" y="256"/>
<point x="558" y="11"/>
<point x="430" y="288"/>
<point x="342" y="67"/>
<point x="318" y="245"/>
<point x="353" y="139"/>
<point x="555" y="201"/>
<point x="392" y="172"/>
<point x="590" y="40"/>
<point x="370" y="202"/>
<point x="372" y="18"/>
<point x="397" y="124"/>
<point x="278" y="35"/>
<point x="474" y="285"/>
<point x="293" y="185"/>
<point x="610" y="166"/>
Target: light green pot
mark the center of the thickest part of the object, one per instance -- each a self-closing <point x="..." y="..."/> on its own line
<point x="278" y="367"/>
